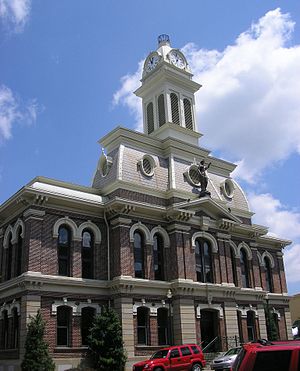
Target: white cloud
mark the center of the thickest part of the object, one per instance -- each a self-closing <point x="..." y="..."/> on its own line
<point x="282" y="222"/>
<point x="15" y="13"/>
<point x="126" y="97"/>
<point x="249" y="105"/>
<point x="13" y="111"/>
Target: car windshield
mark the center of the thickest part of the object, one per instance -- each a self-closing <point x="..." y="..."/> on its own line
<point x="232" y="352"/>
<point x="160" y="354"/>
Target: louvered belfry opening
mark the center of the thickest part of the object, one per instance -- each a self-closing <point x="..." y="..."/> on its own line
<point x="174" y="108"/>
<point x="161" y="110"/>
<point x="150" y="118"/>
<point x="188" y="117"/>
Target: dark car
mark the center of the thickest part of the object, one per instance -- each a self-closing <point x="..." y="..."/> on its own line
<point x="225" y="361"/>
<point x="188" y="357"/>
<point x="264" y="355"/>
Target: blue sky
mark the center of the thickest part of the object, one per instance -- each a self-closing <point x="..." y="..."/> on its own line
<point x="68" y="69"/>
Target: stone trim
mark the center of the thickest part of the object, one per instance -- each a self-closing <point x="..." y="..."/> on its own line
<point x="77" y="231"/>
<point x="217" y="307"/>
<point x="142" y="228"/>
<point x="153" y="307"/>
<point x="9" y="307"/>
<point x="163" y="233"/>
<point x="247" y="249"/>
<point x="76" y="308"/>
<point x="14" y="233"/>
<point x="245" y="309"/>
<point x="206" y="236"/>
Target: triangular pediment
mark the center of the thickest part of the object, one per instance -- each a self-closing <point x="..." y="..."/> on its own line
<point x="206" y="206"/>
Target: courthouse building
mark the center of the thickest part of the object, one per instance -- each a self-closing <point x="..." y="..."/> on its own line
<point x="178" y="264"/>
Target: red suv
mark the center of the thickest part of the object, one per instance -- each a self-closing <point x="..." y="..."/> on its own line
<point x="187" y="357"/>
<point x="264" y="355"/>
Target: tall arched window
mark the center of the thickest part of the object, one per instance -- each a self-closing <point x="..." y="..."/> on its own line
<point x="87" y="249"/>
<point x="63" y="326"/>
<point x="64" y="247"/>
<point x="9" y="261"/>
<point x="15" y="329"/>
<point x="87" y="317"/>
<point x="175" y="108"/>
<point x="4" y="334"/>
<point x="150" y="118"/>
<point x="203" y="261"/>
<point x="139" y="255"/>
<point x="268" y="271"/>
<point x="19" y="253"/>
<point x="158" y="257"/>
<point x="188" y="117"/>
<point x="143" y="336"/>
<point x="161" y="110"/>
<point x="244" y="268"/>
<point x="251" y="329"/>
<point x="233" y="266"/>
<point x="162" y="326"/>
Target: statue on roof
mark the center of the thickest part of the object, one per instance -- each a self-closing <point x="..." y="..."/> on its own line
<point x="203" y="178"/>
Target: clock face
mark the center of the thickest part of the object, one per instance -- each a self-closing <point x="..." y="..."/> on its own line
<point x="177" y="59"/>
<point x="152" y="62"/>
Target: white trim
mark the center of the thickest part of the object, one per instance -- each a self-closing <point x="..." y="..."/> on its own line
<point x="235" y="248"/>
<point x="206" y="236"/>
<point x="143" y="229"/>
<point x="64" y="303"/>
<point x="247" y="249"/>
<point x="90" y="305"/>
<point x="216" y="307"/>
<point x="152" y="308"/>
<point x="90" y="225"/>
<point x="19" y="223"/>
<point x="163" y="233"/>
<point x="8" y="230"/>
<point x="70" y="223"/>
<point x="266" y="254"/>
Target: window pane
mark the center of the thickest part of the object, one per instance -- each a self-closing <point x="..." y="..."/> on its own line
<point x="87" y="317"/>
<point x="63" y="326"/>
<point x="150" y="118"/>
<point x="86" y="239"/>
<point x="138" y="255"/>
<point x="87" y="270"/>
<point x="158" y="257"/>
<point x="63" y="236"/>
<point x="273" y="361"/>
<point x="185" y="351"/>
<point x="142" y="325"/>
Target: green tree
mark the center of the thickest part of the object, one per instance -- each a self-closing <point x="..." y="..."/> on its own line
<point x="105" y="342"/>
<point x="37" y="356"/>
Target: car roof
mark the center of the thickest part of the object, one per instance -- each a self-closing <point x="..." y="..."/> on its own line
<point x="260" y="346"/>
<point x="178" y="346"/>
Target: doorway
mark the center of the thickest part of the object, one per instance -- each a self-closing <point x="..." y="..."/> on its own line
<point x="209" y="323"/>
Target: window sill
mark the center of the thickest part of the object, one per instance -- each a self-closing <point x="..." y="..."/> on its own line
<point x="70" y="349"/>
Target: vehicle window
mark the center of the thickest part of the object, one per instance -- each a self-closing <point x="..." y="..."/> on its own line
<point x="160" y="354"/>
<point x="232" y="352"/>
<point x="195" y="349"/>
<point x="273" y="361"/>
<point x="174" y="353"/>
<point x="238" y="360"/>
<point x="185" y="351"/>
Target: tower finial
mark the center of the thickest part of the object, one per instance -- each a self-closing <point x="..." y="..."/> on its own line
<point x="163" y="40"/>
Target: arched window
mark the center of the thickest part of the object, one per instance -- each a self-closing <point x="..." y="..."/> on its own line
<point x="203" y="261"/>
<point x="87" y="249"/>
<point x="162" y="326"/>
<point x="244" y="268"/>
<point x="158" y="257"/>
<point x="188" y="117"/>
<point x="9" y="259"/>
<point x="161" y="110"/>
<point x="64" y="247"/>
<point x="63" y="326"/>
<point x="233" y="266"/>
<point x="268" y="271"/>
<point x="251" y="325"/>
<point x="139" y="255"/>
<point x="19" y="253"/>
<point x="15" y="329"/>
<point x="4" y="334"/>
<point x="143" y="335"/>
<point x="150" y="118"/>
<point x="87" y="317"/>
<point x="174" y="108"/>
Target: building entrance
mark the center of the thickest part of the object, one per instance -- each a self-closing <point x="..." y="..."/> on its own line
<point x="210" y="330"/>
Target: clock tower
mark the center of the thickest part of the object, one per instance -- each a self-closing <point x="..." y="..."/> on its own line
<point x="167" y="93"/>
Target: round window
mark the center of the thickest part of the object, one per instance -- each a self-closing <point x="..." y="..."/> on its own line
<point x="192" y="175"/>
<point x="147" y="165"/>
<point x="228" y="188"/>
